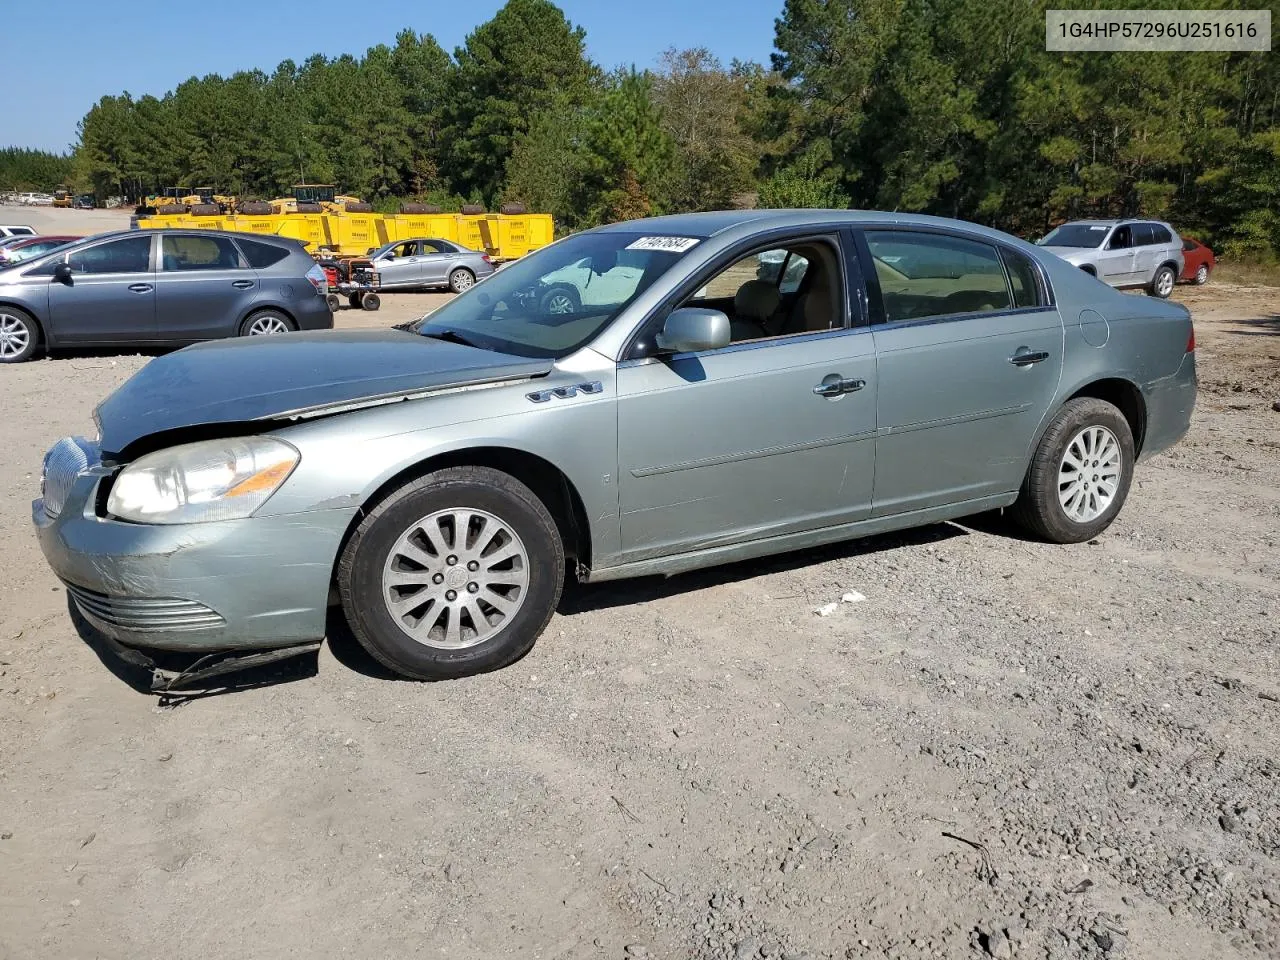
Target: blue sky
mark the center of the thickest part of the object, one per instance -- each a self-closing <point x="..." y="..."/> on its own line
<point x="82" y="51"/>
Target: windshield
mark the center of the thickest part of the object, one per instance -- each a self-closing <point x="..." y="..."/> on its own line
<point x="554" y="301"/>
<point x="1076" y="235"/>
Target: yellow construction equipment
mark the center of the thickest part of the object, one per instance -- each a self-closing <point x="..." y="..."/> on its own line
<point x="62" y="197"/>
<point x="351" y="233"/>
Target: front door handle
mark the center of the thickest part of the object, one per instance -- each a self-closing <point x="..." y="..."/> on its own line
<point x="834" y="385"/>
<point x="1025" y="357"/>
<point x="139" y="288"/>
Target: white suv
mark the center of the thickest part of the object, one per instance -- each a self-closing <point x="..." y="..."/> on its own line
<point x="1123" y="253"/>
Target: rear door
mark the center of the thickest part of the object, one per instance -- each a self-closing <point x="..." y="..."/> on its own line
<point x="203" y="287"/>
<point x="436" y="260"/>
<point x="968" y="358"/>
<point x="110" y="296"/>
<point x="1115" y="260"/>
<point x="1147" y="252"/>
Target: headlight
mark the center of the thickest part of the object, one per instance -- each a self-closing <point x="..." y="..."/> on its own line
<point x="198" y="482"/>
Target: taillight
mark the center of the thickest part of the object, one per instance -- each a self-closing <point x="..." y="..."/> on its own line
<point x="1191" y="340"/>
<point x="486" y="258"/>
<point x="318" y="279"/>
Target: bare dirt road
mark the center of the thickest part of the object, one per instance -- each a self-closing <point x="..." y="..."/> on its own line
<point x="1007" y="749"/>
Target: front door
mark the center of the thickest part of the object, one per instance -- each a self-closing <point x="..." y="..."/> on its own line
<point x="110" y="296"/>
<point x="400" y="266"/>
<point x="968" y="358"/>
<point x="1115" y="261"/>
<point x="770" y="435"/>
<point x="203" y="288"/>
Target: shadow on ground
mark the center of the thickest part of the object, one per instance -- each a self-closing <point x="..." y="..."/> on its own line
<point x="1259" y="326"/>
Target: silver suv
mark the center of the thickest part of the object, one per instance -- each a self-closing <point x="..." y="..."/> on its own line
<point x="1123" y="253"/>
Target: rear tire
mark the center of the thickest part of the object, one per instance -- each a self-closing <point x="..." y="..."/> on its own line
<point x="334" y="302"/>
<point x="266" y="323"/>
<point x="461" y="280"/>
<point x="429" y="629"/>
<point x="1163" y="282"/>
<point x="19" y="335"/>
<point x="1202" y="275"/>
<point x="1064" y="503"/>
<point x="371" y="301"/>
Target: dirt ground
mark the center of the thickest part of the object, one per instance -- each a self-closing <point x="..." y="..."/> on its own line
<point x="1007" y="749"/>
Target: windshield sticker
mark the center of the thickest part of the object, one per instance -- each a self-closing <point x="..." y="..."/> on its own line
<point x="1097" y="228"/>
<point x="670" y="244"/>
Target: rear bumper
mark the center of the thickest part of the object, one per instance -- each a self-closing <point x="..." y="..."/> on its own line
<point x="1170" y="404"/>
<point x="312" y="313"/>
<point x="230" y="585"/>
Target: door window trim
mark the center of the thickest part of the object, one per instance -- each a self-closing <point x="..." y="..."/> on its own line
<point x="758" y="243"/>
<point x="875" y="299"/>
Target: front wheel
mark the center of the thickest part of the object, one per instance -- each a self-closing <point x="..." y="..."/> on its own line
<point x="1162" y="283"/>
<point x="19" y="335"/>
<point x="461" y="280"/>
<point x="1080" y="475"/>
<point x="453" y="574"/>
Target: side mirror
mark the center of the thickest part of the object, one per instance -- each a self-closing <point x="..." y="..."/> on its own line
<point x="62" y="272"/>
<point x="693" y="329"/>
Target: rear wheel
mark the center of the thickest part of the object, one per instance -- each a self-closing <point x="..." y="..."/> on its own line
<point x="19" y="335"/>
<point x="371" y="301"/>
<point x="266" y="323"/>
<point x="453" y="574"/>
<point x="1162" y="283"/>
<point x="461" y="280"/>
<point x="1202" y="274"/>
<point x="334" y="301"/>
<point x="1080" y="475"/>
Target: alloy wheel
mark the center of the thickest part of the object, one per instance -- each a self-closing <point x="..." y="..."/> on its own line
<point x="15" y="335"/>
<point x="455" y="578"/>
<point x="1089" y="475"/>
<point x="267" y="324"/>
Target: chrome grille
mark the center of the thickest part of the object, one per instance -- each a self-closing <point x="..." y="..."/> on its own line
<point x="144" y="613"/>
<point x="66" y="460"/>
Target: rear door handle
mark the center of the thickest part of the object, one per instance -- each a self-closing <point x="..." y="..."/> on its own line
<point x="1025" y="357"/>
<point x="242" y="284"/>
<point x="140" y="288"/>
<point x="834" y="385"/>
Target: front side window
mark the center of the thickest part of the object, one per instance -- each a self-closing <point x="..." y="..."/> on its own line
<point x="129" y="255"/>
<point x="924" y="275"/>
<point x="198" y="253"/>
<point x="557" y="299"/>
<point x="1122" y="239"/>
<point x="778" y="292"/>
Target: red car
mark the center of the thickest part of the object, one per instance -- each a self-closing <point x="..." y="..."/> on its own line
<point x="1199" y="261"/>
<point x="29" y="247"/>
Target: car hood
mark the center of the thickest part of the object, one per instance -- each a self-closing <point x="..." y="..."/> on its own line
<point x="293" y="375"/>
<point x="1071" y="254"/>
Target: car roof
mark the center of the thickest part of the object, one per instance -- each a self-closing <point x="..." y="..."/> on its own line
<point x="290" y="242"/>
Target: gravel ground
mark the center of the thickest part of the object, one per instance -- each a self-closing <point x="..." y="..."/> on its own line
<point x="1006" y="749"/>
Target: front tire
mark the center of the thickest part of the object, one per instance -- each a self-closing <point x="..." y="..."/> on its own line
<point x="19" y="335"/>
<point x="1162" y="283"/>
<point x="454" y="574"/>
<point x="1080" y="474"/>
<point x="461" y="280"/>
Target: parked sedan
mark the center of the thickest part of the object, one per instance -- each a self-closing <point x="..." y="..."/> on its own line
<point x="157" y="287"/>
<point x="429" y="262"/>
<point x="442" y="479"/>
<point x="1200" y="261"/>
<point x="25" y="248"/>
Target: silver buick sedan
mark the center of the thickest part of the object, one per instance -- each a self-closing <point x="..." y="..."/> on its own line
<point x="728" y="385"/>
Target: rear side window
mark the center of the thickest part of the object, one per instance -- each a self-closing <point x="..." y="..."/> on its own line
<point x="1022" y="279"/>
<point x="925" y="275"/>
<point x="130" y="255"/>
<point x="199" y="253"/>
<point x="1143" y="235"/>
<point x="261" y="255"/>
<point x="1189" y="245"/>
<point x="1162" y="233"/>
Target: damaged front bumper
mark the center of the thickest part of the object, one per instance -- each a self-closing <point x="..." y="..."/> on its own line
<point x="230" y="585"/>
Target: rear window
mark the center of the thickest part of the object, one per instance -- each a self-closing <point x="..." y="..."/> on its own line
<point x="261" y="255"/>
<point x="1022" y="277"/>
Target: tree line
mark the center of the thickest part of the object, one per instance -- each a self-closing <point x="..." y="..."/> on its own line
<point x="951" y="107"/>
